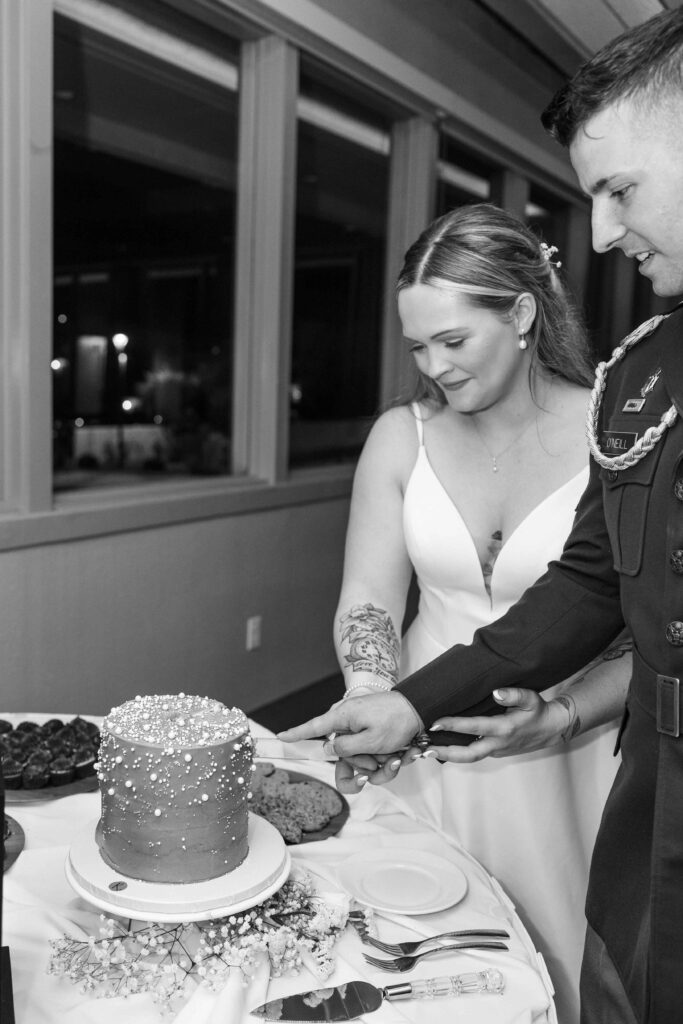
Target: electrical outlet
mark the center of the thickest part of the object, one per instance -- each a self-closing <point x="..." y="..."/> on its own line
<point x="253" y="635"/>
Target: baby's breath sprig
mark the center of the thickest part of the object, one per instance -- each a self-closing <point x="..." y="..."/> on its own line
<point x="548" y="251"/>
<point x="129" y="957"/>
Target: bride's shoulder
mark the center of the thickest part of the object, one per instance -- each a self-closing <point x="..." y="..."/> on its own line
<point x="571" y="400"/>
<point x="398" y="423"/>
<point x="564" y="425"/>
<point x="394" y="437"/>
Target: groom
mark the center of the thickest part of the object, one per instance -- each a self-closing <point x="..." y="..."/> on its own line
<point x="621" y="117"/>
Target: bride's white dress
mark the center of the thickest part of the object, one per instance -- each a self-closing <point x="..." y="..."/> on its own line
<point x="530" y="819"/>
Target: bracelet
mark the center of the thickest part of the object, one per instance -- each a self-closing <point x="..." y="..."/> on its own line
<point x="574" y="722"/>
<point x="370" y="686"/>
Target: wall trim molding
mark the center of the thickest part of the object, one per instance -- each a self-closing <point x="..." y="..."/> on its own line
<point x="124" y="510"/>
<point x="307" y="25"/>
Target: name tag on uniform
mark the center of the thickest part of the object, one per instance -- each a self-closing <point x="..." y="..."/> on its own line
<point x="634" y="405"/>
<point x="617" y="441"/>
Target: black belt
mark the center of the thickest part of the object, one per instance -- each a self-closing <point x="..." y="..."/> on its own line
<point x="658" y="695"/>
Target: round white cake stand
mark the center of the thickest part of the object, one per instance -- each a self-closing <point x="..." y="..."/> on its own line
<point x="263" y="871"/>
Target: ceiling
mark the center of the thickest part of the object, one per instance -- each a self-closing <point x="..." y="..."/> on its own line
<point x="591" y="23"/>
<point x="558" y="27"/>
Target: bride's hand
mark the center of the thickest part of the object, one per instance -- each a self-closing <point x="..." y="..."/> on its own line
<point x="352" y="773"/>
<point x="529" y="723"/>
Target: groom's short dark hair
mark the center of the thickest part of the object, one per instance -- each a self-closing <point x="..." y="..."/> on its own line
<point x="645" y="61"/>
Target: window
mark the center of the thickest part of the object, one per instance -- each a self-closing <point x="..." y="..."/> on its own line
<point x="547" y="216"/>
<point x="340" y="237"/>
<point x="462" y="177"/>
<point x="193" y="400"/>
<point x="144" y="224"/>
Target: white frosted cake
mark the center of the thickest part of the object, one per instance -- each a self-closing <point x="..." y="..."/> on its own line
<point x="174" y="774"/>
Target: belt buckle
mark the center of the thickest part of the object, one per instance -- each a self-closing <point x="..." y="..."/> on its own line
<point x="668" y="705"/>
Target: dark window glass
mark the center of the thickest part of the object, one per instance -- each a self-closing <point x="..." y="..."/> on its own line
<point x="599" y="300"/>
<point x="462" y="177"/>
<point x="144" y="200"/>
<point x="645" y="302"/>
<point x="607" y="324"/>
<point x="341" y="213"/>
<point x="547" y="215"/>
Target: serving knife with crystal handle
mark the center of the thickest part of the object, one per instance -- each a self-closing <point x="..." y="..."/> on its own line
<point x="355" y="998"/>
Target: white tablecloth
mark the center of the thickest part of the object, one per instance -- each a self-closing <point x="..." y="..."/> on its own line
<point x="39" y="905"/>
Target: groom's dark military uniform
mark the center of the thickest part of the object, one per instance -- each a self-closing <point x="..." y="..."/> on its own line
<point x="623" y="563"/>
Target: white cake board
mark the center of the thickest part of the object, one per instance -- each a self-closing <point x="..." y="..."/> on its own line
<point x="264" y="870"/>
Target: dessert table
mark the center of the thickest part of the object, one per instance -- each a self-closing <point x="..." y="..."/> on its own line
<point x="40" y="905"/>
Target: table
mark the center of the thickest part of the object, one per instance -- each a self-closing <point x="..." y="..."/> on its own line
<point x="142" y="441"/>
<point x="40" y="905"/>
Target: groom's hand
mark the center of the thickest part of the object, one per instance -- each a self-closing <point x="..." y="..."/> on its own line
<point x="374" y="724"/>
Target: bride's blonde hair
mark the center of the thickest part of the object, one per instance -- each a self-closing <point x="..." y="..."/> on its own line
<point x="491" y="257"/>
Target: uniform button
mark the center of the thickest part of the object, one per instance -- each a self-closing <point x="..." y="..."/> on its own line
<point x="674" y="633"/>
<point x="614" y="475"/>
<point x="678" y="488"/>
<point x="676" y="560"/>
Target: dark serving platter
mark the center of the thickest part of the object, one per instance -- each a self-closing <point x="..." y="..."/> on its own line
<point x="88" y="784"/>
<point x="14" y="842"/>
<point x="335" y="824"/>
<point x="72" y="740"/>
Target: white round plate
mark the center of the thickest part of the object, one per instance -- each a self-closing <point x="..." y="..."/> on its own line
<point x="416" y="882"/>
<point x="264" y="870"/>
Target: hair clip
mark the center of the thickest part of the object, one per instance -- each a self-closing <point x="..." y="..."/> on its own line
<point x="548" y="251"/>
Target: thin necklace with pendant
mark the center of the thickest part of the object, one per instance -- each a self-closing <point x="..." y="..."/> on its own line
<point x="498" y="455"/>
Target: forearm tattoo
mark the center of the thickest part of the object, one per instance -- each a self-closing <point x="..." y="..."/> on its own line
<point x="373" y="645"/>
<point x="574" y="724"/>
<point x="618" y="649"/>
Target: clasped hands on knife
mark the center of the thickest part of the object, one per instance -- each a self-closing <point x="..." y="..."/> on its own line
<point x="375" y="734"/>
<point x="370" y="734"/>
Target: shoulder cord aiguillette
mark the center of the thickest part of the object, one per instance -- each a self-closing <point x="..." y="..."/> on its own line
<point x="652" y="435"/>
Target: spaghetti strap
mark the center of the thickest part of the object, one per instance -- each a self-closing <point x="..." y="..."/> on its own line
<point x="417" y="412"/>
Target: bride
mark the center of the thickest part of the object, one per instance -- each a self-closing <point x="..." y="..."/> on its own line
<point x="471" y="486"/>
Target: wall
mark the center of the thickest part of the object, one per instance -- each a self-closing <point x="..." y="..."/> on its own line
<point x="87" y="624"/>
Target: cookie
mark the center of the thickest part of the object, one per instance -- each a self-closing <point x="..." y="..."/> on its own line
<point x="276" y="784"/>
<point x="321" y="796"/>
<point x="289" y="829"/>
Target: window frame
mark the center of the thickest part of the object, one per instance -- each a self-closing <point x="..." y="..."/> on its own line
<point x="30" y="514"/>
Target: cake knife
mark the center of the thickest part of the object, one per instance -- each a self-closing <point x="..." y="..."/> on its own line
<point x="356" y="998"/>
<point x="303" y="750"/>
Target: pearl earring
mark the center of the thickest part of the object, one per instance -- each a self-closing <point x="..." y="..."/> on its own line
<point x="522" y="340"/>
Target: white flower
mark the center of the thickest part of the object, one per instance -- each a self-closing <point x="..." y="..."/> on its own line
<point x="126" y="959"/>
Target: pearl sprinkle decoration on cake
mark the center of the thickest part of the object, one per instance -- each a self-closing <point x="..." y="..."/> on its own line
<point x="186" y="721"/>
